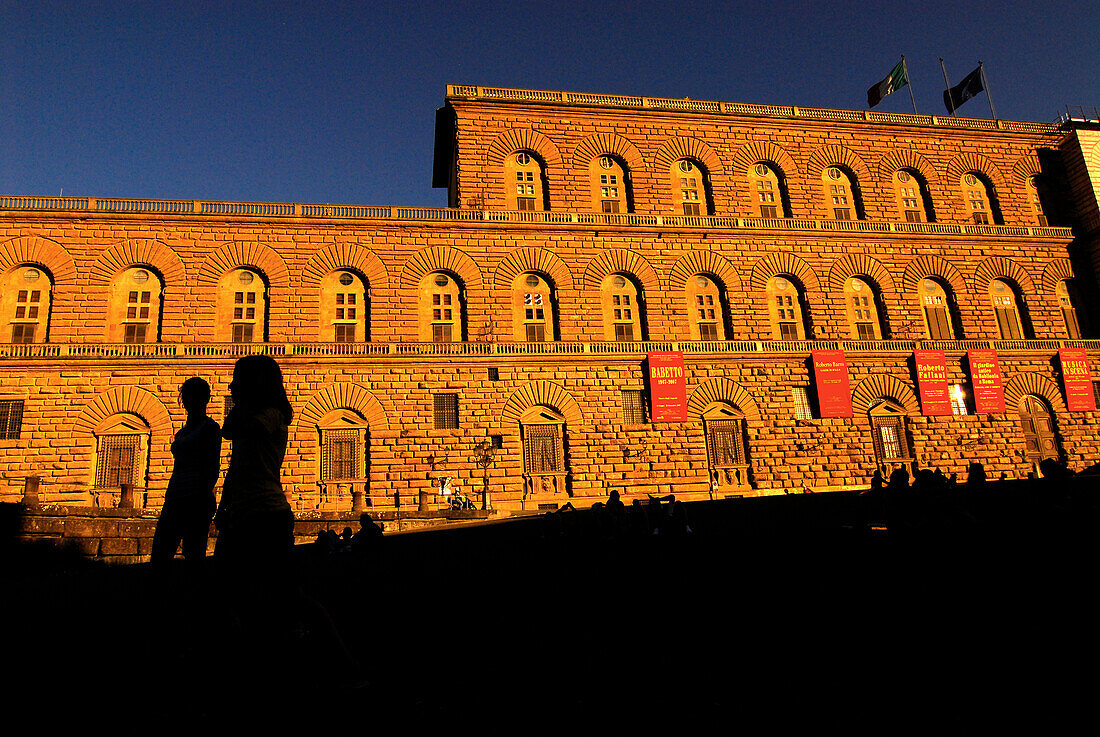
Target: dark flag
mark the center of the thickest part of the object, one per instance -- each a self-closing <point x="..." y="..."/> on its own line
<point x="963" y="91"/>
<point x="895" y="80"/>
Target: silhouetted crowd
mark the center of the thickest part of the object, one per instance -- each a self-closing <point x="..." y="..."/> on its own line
<point x="659" y="516"/>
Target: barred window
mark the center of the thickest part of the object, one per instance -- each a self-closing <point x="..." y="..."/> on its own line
<point x="117" y="460"/>
<point x="11" y="418"/>
<point x="343" y="455"/>
<point x="888" y="433"/>
<point x="726" y="442"/>
<point x="633" y="402"/>
<point x="801" y="396"/>
<point x="542" y="449"/>
<point x="445" y="409"/>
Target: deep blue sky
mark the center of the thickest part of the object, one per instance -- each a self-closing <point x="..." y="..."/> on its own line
<point x="334" y="101"/>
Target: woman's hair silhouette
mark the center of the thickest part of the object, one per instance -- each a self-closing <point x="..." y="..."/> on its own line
<point x="258" y="385"/>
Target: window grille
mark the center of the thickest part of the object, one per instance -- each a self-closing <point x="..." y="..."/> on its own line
<point x="117" y="460"/>
<point x="543" y="452"/>
<point x="633" y="403"/>
<point x="889" y="439"/>
<point x="802" y="410"/>
<point x="11" y="419"/>
<point x="494" y="373"/>
<point x="343" y="455"/>
<point x="445" y="408"/>
<point x="726" y="443"/>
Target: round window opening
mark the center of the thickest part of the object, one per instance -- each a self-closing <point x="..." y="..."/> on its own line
<point x="245" y="277"/>
<point x="903" y="176"/>
<point x="998" y="286"/>
<point x="857" y="285"/>
<point x="606" y="162"/>
<point x="686" y="165"/>
<point x="523" y="159"/>
<point x="834" y="173"/>
<point x="532" y="280"/>
<point x="971" y="179"/>
<point x="31" y="275"/>
<point x="441" y="280"/>
<point x="761" y="170"/>
<point x="619" y="282"/>
<point x="702" y="282"/>
<point x="782" y="284"/>
<point x="141" y="276"/>
<point x="346" y="279"/>
<point x="929" y="285"/>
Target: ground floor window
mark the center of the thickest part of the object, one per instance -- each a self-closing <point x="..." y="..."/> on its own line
<point x="727" y="455"/>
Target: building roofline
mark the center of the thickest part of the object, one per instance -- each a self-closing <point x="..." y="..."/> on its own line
<point x="558" y="98"/>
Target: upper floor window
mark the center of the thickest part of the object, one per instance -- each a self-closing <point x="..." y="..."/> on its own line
<point x="692" y="187"/>
<point x="1069" y="313"/>
<point x="441" y="309"/>
<point x="243" y="307"/>
<point x="533" y="310"/>
<point x="981" y="204"/>
<point x="1035" y="195"/>
<point x="25" y="304"/>
<point x="610" y="185"/>
<point x="911" y="197"/>
<point x="135" y="307"/>
<point x="863" y="310"/>
<point x="767" y="191"/>
<point x="706" y="305"/>
<point x="344" y="308"/>
<point x="622" y="309"/>
<point x="937" y="308"/>
<point x="1006" y="307"/>
<point x="785" y="309"/>
<point x="525" y="182"/>
<point x="840" y="194"/>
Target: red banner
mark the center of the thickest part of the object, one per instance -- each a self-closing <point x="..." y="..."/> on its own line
<point x="1076" y="379"/>
<point x="667" y="386"/>
<point x="932" y="382"/>
<point x="986" y="378"/>
<point x="834" y="393"/>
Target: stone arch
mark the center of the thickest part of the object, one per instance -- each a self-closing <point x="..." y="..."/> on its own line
<point x="906" y="158"/>
<point x="842" y="156"/>
<point x="344" y="256"/>
<point x="522" y="260"/>
<point x="704" y="262"/>
<point x="340" y="396"/>
<point x="1025" y="167"/>
<point x="934" y="266"/>
<point x="440" y="258"/>
<point x="859" y="265"/>
<point x="997" y="267"/>
<point x="522" y="139"/>
<point x="723" y="390"/>
<point x="599" y="144"/>
<point x="782" y="263"/>
<point x="620" y="261"/>
<point x="878" y="386"/>
<point x="540" y="392"/>
<point x="125" y="400"/>
<point x="139" y="252"/>
<point x="971" y="161"/>
<point x="683" y="147"/>
<point x="1056" y="271"/>
<point x="1030" y="382"/>
<point x="32" y="249"/>
<point x="769" y="153"/>
<point x="237" y="255"/>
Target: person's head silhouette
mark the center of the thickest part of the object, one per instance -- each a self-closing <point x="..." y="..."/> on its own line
<point x="195" y="395"/>
<point x="258" y="385"/>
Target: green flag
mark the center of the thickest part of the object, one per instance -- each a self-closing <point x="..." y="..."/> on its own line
<point x="894" y="81"/>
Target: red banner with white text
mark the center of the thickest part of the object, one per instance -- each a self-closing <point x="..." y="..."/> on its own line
<point x="987" y="380"/>
<point x="667" y="386"/>
<point x="932" y="382"/>
<point x="1077" y="379"/>
<point x="834" y="391"/>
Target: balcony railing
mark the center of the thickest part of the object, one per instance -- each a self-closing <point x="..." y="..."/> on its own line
<point x="397" y="351"/>
<point x="201" y="208"/>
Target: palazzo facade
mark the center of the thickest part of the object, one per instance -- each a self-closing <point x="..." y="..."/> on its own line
<point x="504" y="338"/>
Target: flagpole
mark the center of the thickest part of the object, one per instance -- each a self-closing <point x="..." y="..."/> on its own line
<point x="909" y="83"/>
<point x="989" y="97"/>
<point x="950" y="99"/>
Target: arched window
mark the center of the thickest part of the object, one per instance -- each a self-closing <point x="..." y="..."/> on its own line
<point x="786" y="309"/>
<point x="25" y="304"/>
<point x="533" y="309"/>
<point x="938" y="309"/>
<point x="863" y="309"/>
<point x="1069" y="313"/>
<point x="545" y="466"/>
<point x="622" y="308"/>
<point x="912" y="198"/>
<point x="841" y="194"/>
<point x="242" y="311"/>
<point x="442" y="309"/>
<point x="1039" y="430"/>
<point x="727" y="454"/>
<point x="706" y="304"/>
<point x="525" y="182"/>
<point x="981" y="202"/>
<point x="135" y="307"/>
<point x="344" y="466"/>
<point x="691" y="186"/>
<point x="344" y="308"/>
<point x="889" y="434"/>
<point x="1036" y="195"/>
<point x="610" y="185"/>
<point x="121" y="452"/>
<point x="768" y="191"/>
<point x="1006" y="307"/>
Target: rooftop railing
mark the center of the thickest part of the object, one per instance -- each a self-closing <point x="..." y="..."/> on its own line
<point x="397" y="350"/>
<point x="387" y="213"/>
<point x="473" y="92"/>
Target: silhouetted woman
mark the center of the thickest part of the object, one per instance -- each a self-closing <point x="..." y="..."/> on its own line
<point x="189" y="501"/>
<point x="255" y="523"/>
